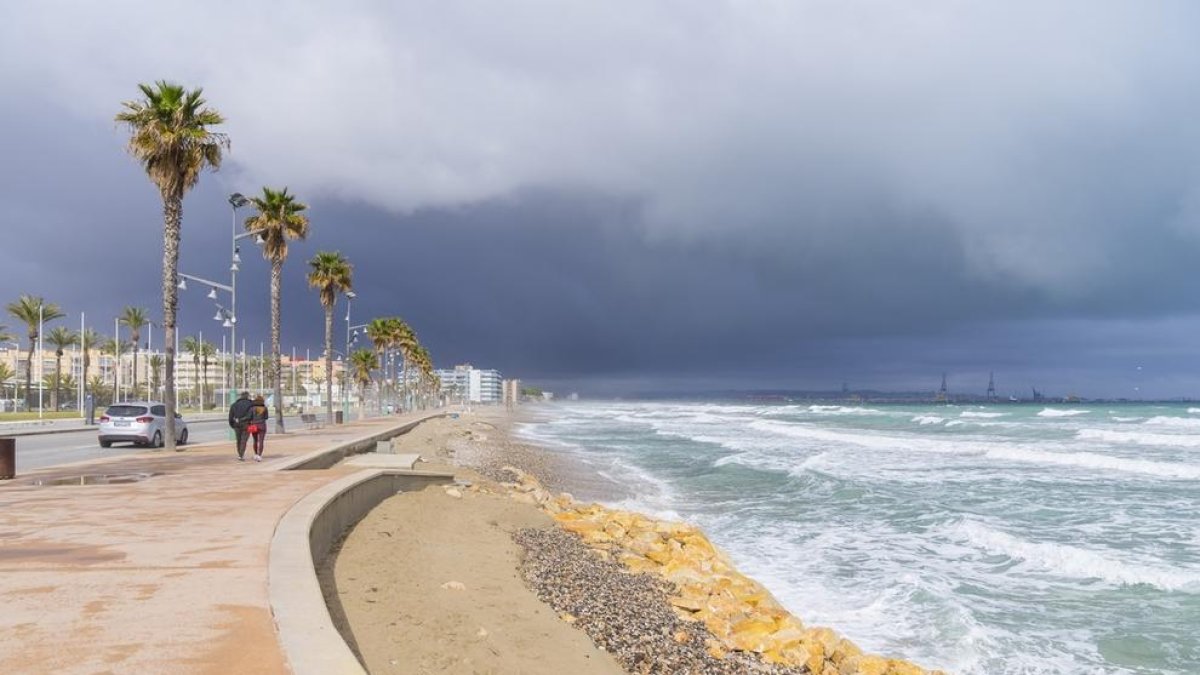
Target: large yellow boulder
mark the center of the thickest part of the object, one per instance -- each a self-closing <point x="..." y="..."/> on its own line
<point x="898" y="667"/>
<point x="752" y="634"/>
<point x="863" y="664"/>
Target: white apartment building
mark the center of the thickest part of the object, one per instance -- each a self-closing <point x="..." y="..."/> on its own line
<point x="467" y="382"/>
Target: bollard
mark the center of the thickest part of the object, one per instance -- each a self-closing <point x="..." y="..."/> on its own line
<point x="337" y="417"/>
<point x="8" y="458"/>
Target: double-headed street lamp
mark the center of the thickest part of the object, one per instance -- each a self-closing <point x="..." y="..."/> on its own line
<point x="350" y="295"/>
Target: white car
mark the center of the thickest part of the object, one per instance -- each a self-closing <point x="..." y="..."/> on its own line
<point x="139" y="422"/>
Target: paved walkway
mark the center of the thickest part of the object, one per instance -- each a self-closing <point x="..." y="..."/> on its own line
<point x="164" y="575"/>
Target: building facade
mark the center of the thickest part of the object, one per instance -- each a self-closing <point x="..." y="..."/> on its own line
<point x="465" y="383"/>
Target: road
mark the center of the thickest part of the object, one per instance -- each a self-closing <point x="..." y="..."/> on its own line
<point x="37" y="451"/>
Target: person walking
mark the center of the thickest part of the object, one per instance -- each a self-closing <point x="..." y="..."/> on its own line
<point x="258" y="425"/>
<point x="239" y="421"/>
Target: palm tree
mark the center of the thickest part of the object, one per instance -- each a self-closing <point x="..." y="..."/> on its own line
<point x="362" y="362"/>
<point x="381" y="332"/>
<point x="170" y="136"/>
<point x="60" y="338"/>
<point x="330" y="273"/>
<point x="135" y="319"/>
<point x="33" y="312"/>
<point x="89" y="339"/>
<point x="207" y="351"/>
<point x="280" y="217"/>
<point x="191" y="345"/>
<point x="99" y="389"/>
<point x="6" y="374"/>
<point x="112" y="347"/>
<point x="406" y="340"/>
<point x="156" y="364"/>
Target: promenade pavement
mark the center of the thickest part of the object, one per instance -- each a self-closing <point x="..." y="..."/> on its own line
<point x="165" y="575"/>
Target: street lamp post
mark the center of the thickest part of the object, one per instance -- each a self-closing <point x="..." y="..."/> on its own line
<point x="236" y="201"/>
<point x="350" y="296"/>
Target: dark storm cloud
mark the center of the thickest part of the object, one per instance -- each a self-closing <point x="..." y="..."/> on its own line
<point x="698" y="193"/>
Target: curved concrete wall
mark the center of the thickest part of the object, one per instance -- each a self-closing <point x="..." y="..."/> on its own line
<point x="303" y="539"/>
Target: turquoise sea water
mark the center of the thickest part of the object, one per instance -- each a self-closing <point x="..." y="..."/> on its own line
<point x="979" y="539"/>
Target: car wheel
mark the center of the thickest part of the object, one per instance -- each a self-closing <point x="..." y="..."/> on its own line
<point x="183" y="437"/>
<point x="106" y="444"/>
<point x="158" y="440"/>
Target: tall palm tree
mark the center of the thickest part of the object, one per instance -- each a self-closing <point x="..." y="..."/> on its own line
<point x="33" y="312"/>
<point x="89" y="339"/>
<point x="280" y="218"/>
<point x="191" y="345"/>
<point x="381" y="334"/>
<point x="61" y="339"/>
<point x="135" y="319"/>
<point x="330" y="273"/>
<point x="170" y="136"/>
<point x="362" y="362"/>
<point x="406" y="341"/>
<point x="156" y="363"/>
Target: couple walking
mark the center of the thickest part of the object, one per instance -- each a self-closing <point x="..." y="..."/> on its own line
<point x="248" y="418"/>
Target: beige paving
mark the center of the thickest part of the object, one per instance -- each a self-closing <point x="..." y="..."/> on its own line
<point x="166" y="575"/>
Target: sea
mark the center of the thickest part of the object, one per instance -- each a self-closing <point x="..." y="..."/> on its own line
<point x="980" y="539"/>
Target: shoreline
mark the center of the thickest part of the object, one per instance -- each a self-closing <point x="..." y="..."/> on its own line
<point x="669" y="601"/>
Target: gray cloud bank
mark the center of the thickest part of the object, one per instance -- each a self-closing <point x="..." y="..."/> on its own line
<point x="720" y="192"/>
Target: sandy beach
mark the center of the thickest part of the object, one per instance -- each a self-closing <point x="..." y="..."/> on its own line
<point x="495" y="576"/>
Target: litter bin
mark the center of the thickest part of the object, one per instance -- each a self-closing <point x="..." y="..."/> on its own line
<point x="337" y="417"/>
<point x="8" y="458"/>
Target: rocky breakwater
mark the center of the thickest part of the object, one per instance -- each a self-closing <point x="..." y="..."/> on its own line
<point x="740" y="615"/>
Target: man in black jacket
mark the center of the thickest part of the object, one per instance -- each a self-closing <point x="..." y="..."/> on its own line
<point x="239" y="417"/>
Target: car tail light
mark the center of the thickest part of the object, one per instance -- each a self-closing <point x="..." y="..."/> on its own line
<point x="104" y="418"/>
<point x="145" y="420"/>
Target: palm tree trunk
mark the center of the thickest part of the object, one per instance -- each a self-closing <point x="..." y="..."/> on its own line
<point x="203" y="381"/>
<point x="135" y="351"/>
<point x="329" y="366"/>
<point x="172" y="219"/>
<point x="29" y="377"/>
<point x="276" y="365"/>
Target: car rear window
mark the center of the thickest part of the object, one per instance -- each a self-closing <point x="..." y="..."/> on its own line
<point x="160" y="410"/>
<point x="125" y="410"/>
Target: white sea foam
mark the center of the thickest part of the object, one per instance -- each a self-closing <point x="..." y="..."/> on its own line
<point x="1139" y="438"/>
<point x="1075" y="562"/>
<point x="928" y="419"/>
<point x="1176" y="422"/>
<point x="1194" y="411"/>
<point x="1056" y="412"/>
<point x="1098" y="462"/>
<point x="842" y="410"/>
<point x="1126" y="419"/>
<point x="985" y="415"/>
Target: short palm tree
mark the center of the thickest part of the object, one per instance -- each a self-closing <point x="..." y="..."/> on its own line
<point x="89" y="339"/>
<point x="280" y="218"/>
<point x="171" y="136"/>
<point x="112" y="347"/>
<point x="61" y="339"/>
<point x="6" y="374"/>
<point x="156" y="364"/>
<point x="99" y="389"/>
<point x="134" y="318"/>
<point x="362" y="362"/>
<point x="330" y="273"/>
<point x="33" y="312"/>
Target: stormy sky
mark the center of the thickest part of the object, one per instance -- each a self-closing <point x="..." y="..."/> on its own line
<point x="652" y="196"/>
